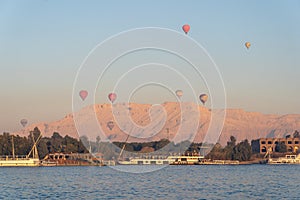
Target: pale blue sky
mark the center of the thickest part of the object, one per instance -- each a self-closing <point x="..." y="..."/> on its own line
<point x="43" y="43"/>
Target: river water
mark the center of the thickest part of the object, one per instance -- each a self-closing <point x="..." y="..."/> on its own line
<point x="171" y="182"/>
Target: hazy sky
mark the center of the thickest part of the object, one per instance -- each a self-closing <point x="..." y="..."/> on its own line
<point x="43" y="43"/>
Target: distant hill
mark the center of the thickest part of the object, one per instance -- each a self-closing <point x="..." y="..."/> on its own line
<point x="239" y="123"/>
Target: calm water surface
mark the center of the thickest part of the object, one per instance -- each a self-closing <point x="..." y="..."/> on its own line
<point x="172" y="182"/>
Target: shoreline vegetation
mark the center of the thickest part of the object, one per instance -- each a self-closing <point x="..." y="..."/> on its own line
<point x="105" y="151"/>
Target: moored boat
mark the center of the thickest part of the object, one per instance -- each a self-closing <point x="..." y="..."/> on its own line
<point x="155" y="160"/>
<point x="217" y="162"/>
<point x="19" y="162"/>
<point x="288" y="159"/>
<point x="187" y="160"/>
<point x="22" y="161"/>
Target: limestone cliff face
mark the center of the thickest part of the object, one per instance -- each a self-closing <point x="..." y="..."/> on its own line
<point x="169" y="121"/>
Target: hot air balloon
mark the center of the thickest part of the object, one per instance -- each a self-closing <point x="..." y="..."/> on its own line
<point x="203" y="98"/>
<point x="112" y="97"/>
<point x="179" y="93"/>
<point x="247" y="44"/>
<point x="186" y="28"/>
<point x="83" y="94"/>
<point x="24" y="122"/>
<point x="110" y="125"/>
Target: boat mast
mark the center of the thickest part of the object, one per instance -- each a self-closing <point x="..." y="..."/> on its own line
<point x="123" y="147"/>
<point x="13" y="146"/>
<point x="34" y="150"/>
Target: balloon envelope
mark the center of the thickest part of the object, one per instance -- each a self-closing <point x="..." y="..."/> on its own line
<point x="179" y="93"/>
<point x="24" y="122"/>
<point x="247" y="44"/>
<point x="112" y="97"/>
<point x="186" y="28"/>
<point x="83" y="94"/>
<point x="203" y="98"/>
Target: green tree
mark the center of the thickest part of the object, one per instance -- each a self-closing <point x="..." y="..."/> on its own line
<point x="228" y="150"/>
<point x="217" y="153"/>
<point x="42" y="148"/>
<point x="56" y="142"/>
<point x="5" y="145"/>
<point x="98" y="139"/>
<point x="21" y="145"/>
<point x="281" y="147"/>
<point x="242" y="151"/>
<point x="160" y="144"/>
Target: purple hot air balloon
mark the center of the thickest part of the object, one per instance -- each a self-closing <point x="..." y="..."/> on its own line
<point x="24" y="122"/>
<point x="110" y="125"/>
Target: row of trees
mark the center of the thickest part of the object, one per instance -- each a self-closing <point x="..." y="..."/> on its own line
<point x="241" y="151"/>
<point x="56" y="143"/>
<point x="232" y="151"/>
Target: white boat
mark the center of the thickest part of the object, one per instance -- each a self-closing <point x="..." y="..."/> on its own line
<point x="160" y="160"/>
<point x="187" y="160"/>
<point x="22" y="161"/>
<point x="155" y="160"/>
<point x="19" y="162"/>
<point x="288" y="159"/>
<point x="217" y="162"/>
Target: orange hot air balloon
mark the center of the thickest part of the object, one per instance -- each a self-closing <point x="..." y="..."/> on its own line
<point x="247" y="44"/>
<point x="83" y="94"/>
<point x="203" y="98"/>
<point x="186" y="28"/>
<point x="112" y="97"/>
<point x="179" y="93"/>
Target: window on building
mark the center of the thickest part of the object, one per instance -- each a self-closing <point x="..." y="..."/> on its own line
<point x="263" y="142"/>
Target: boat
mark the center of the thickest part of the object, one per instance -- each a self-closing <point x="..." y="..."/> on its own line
<point x="147" y="160"/>
<point x="153" y="160"/>
<point x="19" y="162"/>
<point x="187" y="160"/>
<point x="288" y="159"/>
<point x="22" y="161"/>
<point x="217" y="162"/>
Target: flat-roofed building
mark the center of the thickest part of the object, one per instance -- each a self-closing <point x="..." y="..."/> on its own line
<point x="262" y="145"/>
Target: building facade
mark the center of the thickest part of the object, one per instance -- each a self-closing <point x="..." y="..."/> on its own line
<point x="263" y="145"/>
